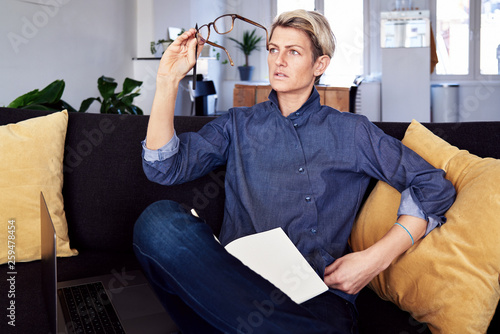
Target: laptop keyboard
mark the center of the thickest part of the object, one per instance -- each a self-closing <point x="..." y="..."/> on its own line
<point x="88" y="309"/>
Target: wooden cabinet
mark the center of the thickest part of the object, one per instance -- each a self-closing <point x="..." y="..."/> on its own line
<point x="335" y="97"/>
<point x="248" y="95"/>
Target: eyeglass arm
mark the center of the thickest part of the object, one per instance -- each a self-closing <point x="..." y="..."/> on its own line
<point x="223" y="48"/>
<point x="255" y="24"/>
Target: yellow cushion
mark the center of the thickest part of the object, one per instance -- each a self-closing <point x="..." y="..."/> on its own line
<point x="32" y="161"/>
<point x="449" y="279"/>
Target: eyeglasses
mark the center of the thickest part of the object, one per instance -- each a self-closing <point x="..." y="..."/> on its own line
<point x="222" y="25"/>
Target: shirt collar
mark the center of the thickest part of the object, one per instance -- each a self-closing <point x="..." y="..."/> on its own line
<point x="312" y="103"/>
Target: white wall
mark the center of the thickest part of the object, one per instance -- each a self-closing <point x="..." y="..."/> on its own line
<point x="77" y="41"/>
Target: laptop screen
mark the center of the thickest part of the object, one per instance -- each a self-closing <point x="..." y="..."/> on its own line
<point x="49" y="263"/>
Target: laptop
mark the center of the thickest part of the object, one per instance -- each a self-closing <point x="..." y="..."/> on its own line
<point x="120" y="302"/>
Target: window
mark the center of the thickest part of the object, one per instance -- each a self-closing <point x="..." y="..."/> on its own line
<point x="490" y="37"/>
<point x="452" y="37"/>
<point x="346" y="20"/>
<point x="467" y="38"/>
<point x="465" y="31"/>
<point x="288" y="5"/>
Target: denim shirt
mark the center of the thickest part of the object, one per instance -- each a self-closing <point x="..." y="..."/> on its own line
<point x="306" y="173"/>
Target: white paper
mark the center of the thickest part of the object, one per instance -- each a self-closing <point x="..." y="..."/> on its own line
<point x="272" y="255"/>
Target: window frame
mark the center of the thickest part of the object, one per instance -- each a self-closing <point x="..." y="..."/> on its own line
<point x="372" y="50"/>
<point x="319" y="7"/>
<point x="474" y="48"/>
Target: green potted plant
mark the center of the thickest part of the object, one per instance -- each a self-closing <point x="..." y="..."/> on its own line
<point x="49" y="98"/>
<point x="163" y="42"/>
<point x="113" y="102"/>
<point x="248" y="44"/>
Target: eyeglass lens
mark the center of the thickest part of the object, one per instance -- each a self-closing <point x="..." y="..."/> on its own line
<point x="222" y="25"/>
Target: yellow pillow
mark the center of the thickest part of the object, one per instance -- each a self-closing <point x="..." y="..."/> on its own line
<point x="449" y="279"/>
<point x="32" y="154"/>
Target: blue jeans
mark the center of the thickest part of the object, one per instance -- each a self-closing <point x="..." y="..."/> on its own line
<point x="207" y="290"/>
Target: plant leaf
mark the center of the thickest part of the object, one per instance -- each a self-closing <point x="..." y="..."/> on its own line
<point x="49" y="95"/>
<point x="105" y="106"/>
<point x="87" y="102"/>
<point x="106" y="86"/>
<point x="248" y="43"/>
<point x="129" y="85"/>
<point x="136" y="110"/>
<point x="24" y="99"/>
<point x="66" y="105"/>
<point x="52" y="93"/>
<point x="127" y="100"/>
<point x="39" y="107"/>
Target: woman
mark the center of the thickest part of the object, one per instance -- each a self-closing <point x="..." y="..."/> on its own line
<point x="290" y="163"/>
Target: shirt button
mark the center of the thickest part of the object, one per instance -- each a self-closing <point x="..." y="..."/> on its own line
<point x="313" y="231"/>
<point x="301" y="170"/>
<point x="297" y="113"/>
<point x="295" y="125"/>
<point x="308" y="199"/>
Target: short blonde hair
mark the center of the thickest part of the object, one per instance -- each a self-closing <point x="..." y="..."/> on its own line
<point x="314" y="24"/>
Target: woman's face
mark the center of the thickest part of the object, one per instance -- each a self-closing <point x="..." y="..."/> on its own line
<point x="290" y="61"/>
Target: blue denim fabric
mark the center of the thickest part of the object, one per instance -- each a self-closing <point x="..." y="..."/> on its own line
<point x="207" y="290"/>
<point x="306" y="173"/>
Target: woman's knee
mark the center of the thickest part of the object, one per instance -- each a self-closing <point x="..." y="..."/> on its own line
<point x="161" y="220"/>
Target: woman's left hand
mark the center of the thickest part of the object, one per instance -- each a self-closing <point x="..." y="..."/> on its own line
<point x="352" y="272"/>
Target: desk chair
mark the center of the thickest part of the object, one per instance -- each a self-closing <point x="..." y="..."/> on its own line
<point x="199" y="104"/>
<point x="353" y="92"/>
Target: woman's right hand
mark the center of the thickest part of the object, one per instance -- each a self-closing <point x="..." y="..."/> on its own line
<point x="175" y="63"/>
<point x="179" y="57"/>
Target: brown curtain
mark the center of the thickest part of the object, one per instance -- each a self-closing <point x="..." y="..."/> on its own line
<point x="434" y="57"/>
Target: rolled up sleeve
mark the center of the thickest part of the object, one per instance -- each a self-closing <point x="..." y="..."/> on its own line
<point x="425" y="191"/>
<point x="409" y="206"/>
<point x="163" y="153"/>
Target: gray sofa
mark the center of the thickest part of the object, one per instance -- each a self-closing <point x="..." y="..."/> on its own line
<point x="105" y="191"/>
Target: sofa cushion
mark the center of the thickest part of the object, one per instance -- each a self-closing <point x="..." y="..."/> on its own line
<point x="450" y="279"/>
<point x="32" y="155"/>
